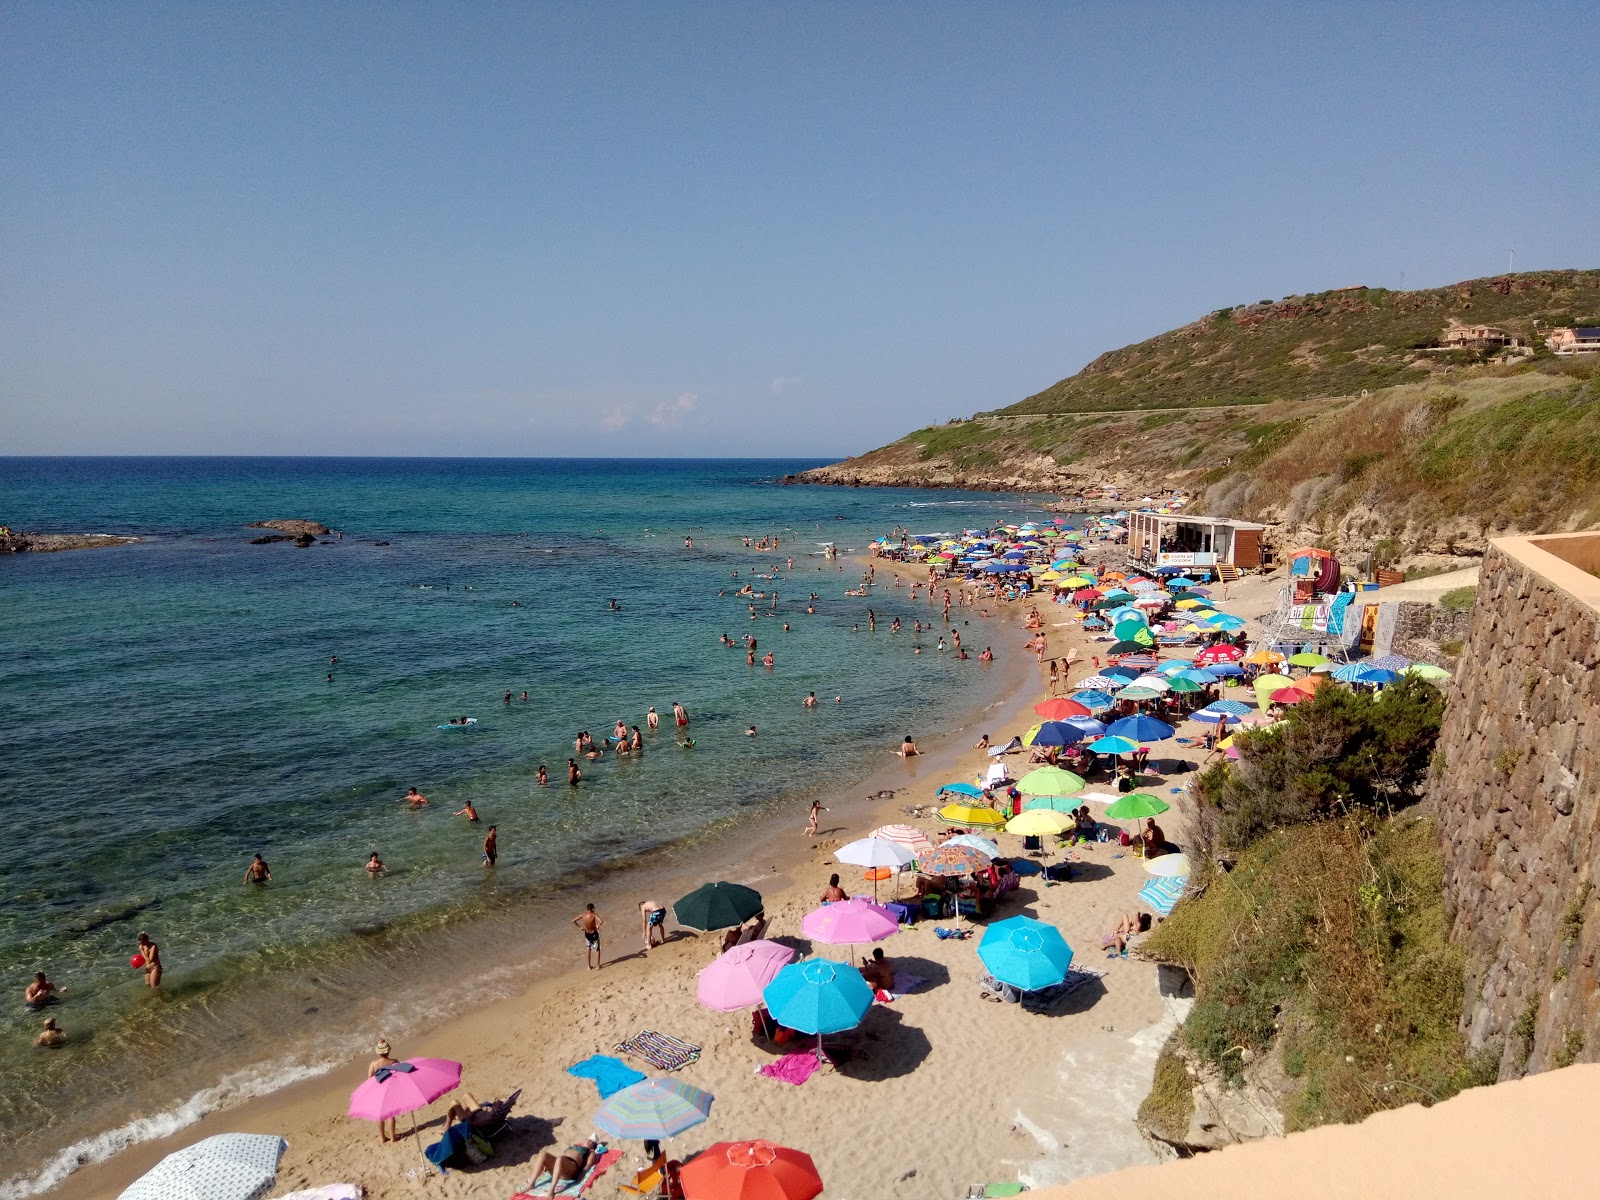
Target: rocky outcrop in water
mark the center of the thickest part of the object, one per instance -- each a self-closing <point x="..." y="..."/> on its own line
<point x="293" y="526"/>
<point x="16" y="542"/>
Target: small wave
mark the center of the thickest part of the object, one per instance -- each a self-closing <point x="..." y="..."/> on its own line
<point x="233" y="1089"/>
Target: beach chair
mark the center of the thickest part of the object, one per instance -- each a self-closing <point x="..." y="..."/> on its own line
<point x="648" y="1181"/>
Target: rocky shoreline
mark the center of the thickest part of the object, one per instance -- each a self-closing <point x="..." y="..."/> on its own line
<point x="17" y="542"/>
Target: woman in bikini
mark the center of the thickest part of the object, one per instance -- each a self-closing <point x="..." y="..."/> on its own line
<point x="152" y="960"/>
<point x="571" y="1163"/>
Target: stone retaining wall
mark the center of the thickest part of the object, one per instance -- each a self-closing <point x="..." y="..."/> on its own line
<point x="1518" y="794"/>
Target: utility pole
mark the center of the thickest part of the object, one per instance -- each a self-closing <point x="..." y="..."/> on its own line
<point x="1512" y="264"/>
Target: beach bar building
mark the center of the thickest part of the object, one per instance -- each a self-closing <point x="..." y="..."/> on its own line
<point x="1180" y="540"/>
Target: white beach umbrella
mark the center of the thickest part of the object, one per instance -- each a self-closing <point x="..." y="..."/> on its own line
<point x="228" y="1166"/>
<point x="875" y="852"/>
<point x="1156" y="683"/>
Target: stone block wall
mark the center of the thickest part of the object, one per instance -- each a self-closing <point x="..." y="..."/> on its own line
<point x="1518" y="795"/>
<point x="1421" y="630"/>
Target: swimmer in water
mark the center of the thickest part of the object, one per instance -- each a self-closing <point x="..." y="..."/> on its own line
<point x="375" y="866"/>
<point x="544" y="776"/>
<point x="257" y="872"/>
<point x="416" y="799"/>
<point x="466" y="810"/>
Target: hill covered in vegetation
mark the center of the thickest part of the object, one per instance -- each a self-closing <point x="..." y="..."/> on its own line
<point x="1329" y="415"/>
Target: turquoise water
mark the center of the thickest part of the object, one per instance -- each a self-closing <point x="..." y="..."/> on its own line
<point x="169" y="713"/>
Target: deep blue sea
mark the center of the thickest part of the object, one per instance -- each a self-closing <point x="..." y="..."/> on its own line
<point x="169" y="712"/>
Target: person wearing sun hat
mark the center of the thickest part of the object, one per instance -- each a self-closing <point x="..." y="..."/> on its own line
<point x="384" y="1059"/>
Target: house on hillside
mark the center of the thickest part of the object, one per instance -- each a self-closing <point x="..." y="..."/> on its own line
<point x="1578" y="339"/>
<point x="1473" y="337"/>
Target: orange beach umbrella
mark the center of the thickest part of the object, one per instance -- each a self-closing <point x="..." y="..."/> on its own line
<point x="756" y="1170"/>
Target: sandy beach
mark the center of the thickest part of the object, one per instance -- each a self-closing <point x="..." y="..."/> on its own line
<point x="947" y="1091"/>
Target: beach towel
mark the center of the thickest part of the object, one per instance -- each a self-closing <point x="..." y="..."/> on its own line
<point x="598" y="1166"/>
<point x="792" y="1068"/>
<point x="1163" y="894"/>
<point x="905" y="981"/>
<point x="609" y="1074"/>
<point x="660" y="1049"/>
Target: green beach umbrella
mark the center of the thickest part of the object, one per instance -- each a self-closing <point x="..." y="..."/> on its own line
<point x="717" y="906"/>
<point x="1179" y="684"/>
<point x="1426" y="671"/>
<point x="1306" y="659"/>
<point x="1050" y="781"/>
<point x="1135" y="806"/>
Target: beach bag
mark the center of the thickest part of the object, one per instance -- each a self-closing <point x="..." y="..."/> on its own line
<point x="477" y="1148"/>
<point x="1123" y="839"/>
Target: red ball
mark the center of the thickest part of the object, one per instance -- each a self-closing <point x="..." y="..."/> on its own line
<point x="136" y="961"/>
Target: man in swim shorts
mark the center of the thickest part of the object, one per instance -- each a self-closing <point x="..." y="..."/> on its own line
<point x="490" y="849"/>
<point x="653" y="918"/>
<point x="681" y="714"/>
<point x="589" y="922"/>
<point x="257" y="872"/>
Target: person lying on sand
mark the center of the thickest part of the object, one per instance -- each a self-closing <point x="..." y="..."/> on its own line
<point x="571" y="1163"/>
<point x="1130" y="926"/>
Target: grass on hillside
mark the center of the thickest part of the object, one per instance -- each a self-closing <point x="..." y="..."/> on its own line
<point x="1334" y="944"/>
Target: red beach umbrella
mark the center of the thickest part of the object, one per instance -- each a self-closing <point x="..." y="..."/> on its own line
<point x="1289" y="695"/>
<point x="1059" y="709"/>
<point x="1221" y="652"/>
<point x="755" y="1170"/>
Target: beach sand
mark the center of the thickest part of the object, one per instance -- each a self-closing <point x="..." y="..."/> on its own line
<point x="951" y="1090"/>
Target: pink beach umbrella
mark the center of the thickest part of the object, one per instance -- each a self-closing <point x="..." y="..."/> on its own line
<point x="404" y="1088"/>
<point x="735" y="980"/>
<point x="849" y="923"/>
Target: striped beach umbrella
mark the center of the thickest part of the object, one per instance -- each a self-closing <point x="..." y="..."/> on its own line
<point x="655" y="1108"/>
<point x="227" y="1166"/>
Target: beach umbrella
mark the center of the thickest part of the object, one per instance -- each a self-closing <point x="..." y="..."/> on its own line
<point x="1056" y="733"/>
<point x="952" y="860"/>
<point x="1141" y="728"/>
<point x="960" y="789"/>
<point x="1059" y="709"/>
<point x="1097" y="701"/>
<point x="1227" y="622"/>
<point x="1173" y="667"/>
<point x="1154" y="681"/>
<point x="1050" y="781"/>
<point x="1169" y="866"/>
<point x="1100" y="683"/>
<point x="1188" y="602"/>
<point x="1038" y="822"/>
<point x="1126" y="647"/>
<point x="1390" y="662"/>
<point x="1289" y="695"/>
<point x="972" y="841"/>
<point x="1135" y="806"/>
<point x="1136" y="691"/>
<point x="971" y="814"/>
<point x="735" y="978"/>
<point x="1427" y="671"/>
<point x="1121" y="674"/>
<point x="1265" y="658"/>
<point x="1113" y="745"/>
<point x="875" y="852"/>
<point x="1212" y="717"/>
<point x="1222" y="652"/>
<point x="908" y="836"/>
<point x="1265" y="685"/>
<point x="849" y="923"/>
<point x="718" y="905"/>
<point x="1204" y="676"/>
<point x="755" y="1170"/>
<point x="818" y="996"/>
<point x="1060" y="804"/>
<point x="1184" y="686"/>
<point x="1226" y="670"/>
<point x="404" y="1088"/>
<point x="1378" y="675"/>
<point x="1025" y="953"/>
<point x="655" y="1108"/>
<point x="225" y="1166"/>
<point x="1088" y="726"/>
<point x="1306" y="659"/>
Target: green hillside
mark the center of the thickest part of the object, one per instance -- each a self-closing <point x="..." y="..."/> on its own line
<point x="1328" y="344"/>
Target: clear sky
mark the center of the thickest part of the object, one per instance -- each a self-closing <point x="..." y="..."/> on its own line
<point x="723" y="229"/>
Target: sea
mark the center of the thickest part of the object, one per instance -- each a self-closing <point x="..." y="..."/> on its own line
<point x="176" y="705"/>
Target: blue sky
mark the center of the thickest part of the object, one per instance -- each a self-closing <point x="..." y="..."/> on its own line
<point x="722" y="229"/>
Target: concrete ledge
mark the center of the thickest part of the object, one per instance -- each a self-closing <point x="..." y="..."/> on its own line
<point x="1563" y="560"/>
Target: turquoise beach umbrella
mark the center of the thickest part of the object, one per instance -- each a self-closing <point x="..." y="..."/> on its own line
<point x="1113" y="745"/>
<point x="1025" y="953"/>
<point x="818" y="996"/>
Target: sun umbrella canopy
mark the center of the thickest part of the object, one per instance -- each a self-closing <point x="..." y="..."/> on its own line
<point x="1180" y="684"/>
<point x="404" y="1088"/>
<point x="909" y="836"/>
<point x="1120" y="674"/>
<point x="875" y="852"/>
<point x="1038" y="822"/>
<point x="952" y="860"/>
<point x="1390" y="662"/>
<point x="1212" y="717"/>
<point x="972" y="841"/>
<point x="1088" y="726"/>
<point x="226" y="1166"/>
<point x="1307" y="659"/>
<point x="1059" y="709"/>
<point x="1222" y="652"/>
<point x="1169" y="866"/>
<point x="1060" y="804"/>
<point x="971" y="814"/>
<point x="1289" y="695"/>
<point x="1427" y="671"/>
<point x="849" y="923"/>
<point x="1113" y="745"/>
<point x="654" y="1109"/>
<point x="1049" y="781"/>
<point x="1100" y="683"/>
<point x="719" y="905"/>
<point x="818" y="996"/>
<point x="755" y="1170"/>
<point x="1025" y="953"/>
<point x="1097" y="701"/>
<point x="1135" y="806"/>
<point x="960" y="789"/>
<point x="1140" y="728"/>
<point x="1057" y="733"/>
<point x="735" y="979"/>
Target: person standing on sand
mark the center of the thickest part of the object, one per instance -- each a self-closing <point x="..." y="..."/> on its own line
<point x="384" y="1059"/>
<point x="590" y="922"/>
<point x="652" y="719"/>
<point x="257" y="872"/>
<point x="151" y="953"/>
<point x="811" y="824"/>
<point x="653" y="922"/>
<point x="490" y="849"/>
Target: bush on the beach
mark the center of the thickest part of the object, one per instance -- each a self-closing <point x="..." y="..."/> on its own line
<point x="1328" y="945"/>
<point x="1339" y="752"/>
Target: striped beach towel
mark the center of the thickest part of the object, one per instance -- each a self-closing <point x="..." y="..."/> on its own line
<point x="660" y="1049"/>
<point x="1163" y="894"/>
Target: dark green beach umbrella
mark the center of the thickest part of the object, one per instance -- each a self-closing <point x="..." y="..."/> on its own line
<point x="717" y="905"/>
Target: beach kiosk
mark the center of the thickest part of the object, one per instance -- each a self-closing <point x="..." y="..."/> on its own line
<point x="1157" y="540"/>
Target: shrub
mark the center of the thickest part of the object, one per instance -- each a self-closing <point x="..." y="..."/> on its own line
<point x="1167" y="1109"/>
<point x="1458" y="599"/>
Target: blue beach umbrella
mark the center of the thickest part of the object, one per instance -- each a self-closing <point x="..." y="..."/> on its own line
<point x="1226" y="670"/>
<point x="1057" y="733"/>
<point x="1227" y="622"/>
<point x="1141" y="728"/>
<point x="1113" y="745"/>
<point x="1094" y="700"/>
<point x="1025" y="953"/>
<point x="1088" y="726"/>
<point x="1391" y="662"/>
<point x="1351" y="673"/>
<point x="1211" y="717"/>
<point x="818" y="996"/>
<point x="653" y="1109"/>
<point x="1200" y="675"/>
<point x="1174" y="666"/>
<point x="1233" y="708"/>
<point x="1120" y="673"/>
<point x="961" y="789"/>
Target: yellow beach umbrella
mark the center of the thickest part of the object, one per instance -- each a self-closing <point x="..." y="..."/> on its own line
<point x="1203" y="612"/>
<point x="973" y="815"/>
<point x="1262" y="658"/>
<point x="1079" y="581"/>
<point x="1039" y="822"/>
<point x="1188" y="604"/>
